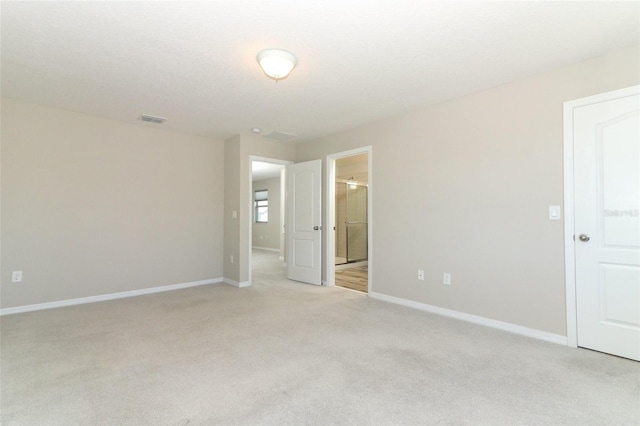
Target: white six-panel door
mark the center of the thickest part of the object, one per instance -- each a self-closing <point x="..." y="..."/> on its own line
<point x="304" y="215"/>
<point x="606" y="143"/>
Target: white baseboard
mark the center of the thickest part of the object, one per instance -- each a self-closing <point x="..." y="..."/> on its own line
<point x="234" y="283"/>
<point x="105" y="297"/>
<point x="277" y="250"/>
<point x="505" y="326"/>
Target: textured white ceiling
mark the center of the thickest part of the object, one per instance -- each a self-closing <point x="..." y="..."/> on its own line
<point x="358" y="61"/>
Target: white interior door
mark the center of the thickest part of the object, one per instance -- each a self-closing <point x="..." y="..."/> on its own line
<point x="304" y="213"/>
<point x="607" y="225"/>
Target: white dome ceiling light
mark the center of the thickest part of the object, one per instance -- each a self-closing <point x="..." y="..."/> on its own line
<point x="276" y="63"/>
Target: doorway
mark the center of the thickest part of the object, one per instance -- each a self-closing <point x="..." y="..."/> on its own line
<point x="602" y="223"/>
<point x="267" y="239"/>
<point x="349" y="220"/>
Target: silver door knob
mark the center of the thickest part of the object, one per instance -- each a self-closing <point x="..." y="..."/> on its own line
<point x="315" y="228"/>
<point x="584" y="237"/>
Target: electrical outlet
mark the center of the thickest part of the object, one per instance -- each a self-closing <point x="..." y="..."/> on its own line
<point x="16" y="277"/>
<point x="420" y="274"/>
<point x="446" y="278"/>
<point x="230" y="258"/>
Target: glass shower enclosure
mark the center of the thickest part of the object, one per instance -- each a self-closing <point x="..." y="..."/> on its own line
<point x="351" y="222"/>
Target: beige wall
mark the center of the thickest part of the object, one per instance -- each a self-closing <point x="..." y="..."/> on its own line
<point x="464" y="187"/>
<point x="92" y="206"/>
<point x="267" y="235"/>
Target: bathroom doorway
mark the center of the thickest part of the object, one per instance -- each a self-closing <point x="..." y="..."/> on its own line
<point x="351" y="219"/>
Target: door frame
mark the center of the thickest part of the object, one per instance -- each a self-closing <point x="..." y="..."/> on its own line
<point x="330" y="249"/>
<point x="569" y="202"/>
<point x="253" y="158"/>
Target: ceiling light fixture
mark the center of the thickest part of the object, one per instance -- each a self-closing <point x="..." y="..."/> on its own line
<point x="276" y="63"/>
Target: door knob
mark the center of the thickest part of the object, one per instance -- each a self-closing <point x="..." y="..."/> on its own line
<point x="584" y="237"/>
<point x="315" y="228"/>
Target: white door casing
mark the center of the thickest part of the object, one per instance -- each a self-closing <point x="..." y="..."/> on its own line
<point x="304" y="216"/>
<point x="605" y="140"/>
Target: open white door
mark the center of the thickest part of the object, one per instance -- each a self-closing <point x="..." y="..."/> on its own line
<point x="304" y="215"/>
<point x="606" y="138"/>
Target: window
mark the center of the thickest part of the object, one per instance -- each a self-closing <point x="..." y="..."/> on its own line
<point x="261" y="206"/>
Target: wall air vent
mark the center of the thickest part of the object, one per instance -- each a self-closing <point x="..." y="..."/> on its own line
<point x="152" y="119"/>
<point x="280" y="136"/>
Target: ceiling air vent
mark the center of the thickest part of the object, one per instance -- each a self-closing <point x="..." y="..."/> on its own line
<point x="280" y="136"/>
<point x="152" y="119"/>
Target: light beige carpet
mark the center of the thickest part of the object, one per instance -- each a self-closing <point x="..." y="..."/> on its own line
<point x="287" y="353"/>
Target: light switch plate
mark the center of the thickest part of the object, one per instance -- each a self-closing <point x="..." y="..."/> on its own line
<point x="446" y="278"/>
<point x="554" y="212"/>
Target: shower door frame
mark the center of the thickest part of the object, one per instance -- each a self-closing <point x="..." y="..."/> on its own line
<point x="330" y="247"/>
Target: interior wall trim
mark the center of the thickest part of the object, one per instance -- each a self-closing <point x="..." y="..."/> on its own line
<point x="235" y="283"/>
<point x="105" y="297"/>
<point x="487" y="322"/>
